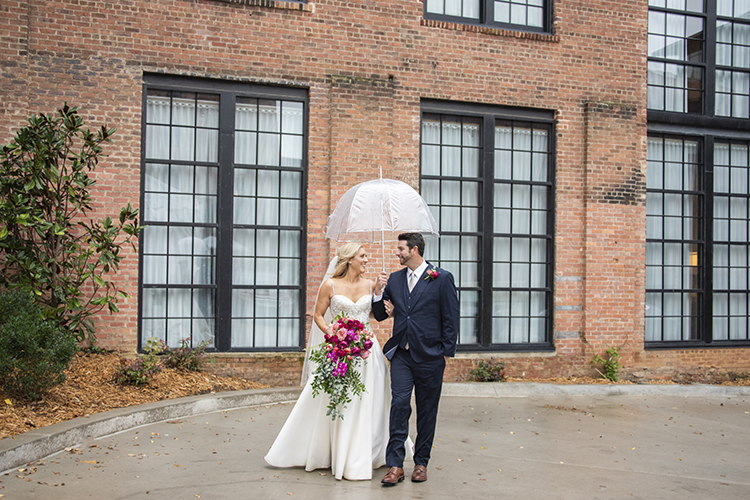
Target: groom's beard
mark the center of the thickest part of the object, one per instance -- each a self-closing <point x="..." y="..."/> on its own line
<point x="404" y="260"/>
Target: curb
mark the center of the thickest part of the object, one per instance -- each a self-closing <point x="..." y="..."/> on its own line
<point x="537" y="389"/>
<point x="34" y="445"/>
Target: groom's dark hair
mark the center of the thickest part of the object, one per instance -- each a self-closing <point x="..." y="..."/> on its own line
<point x="413" y="240"/>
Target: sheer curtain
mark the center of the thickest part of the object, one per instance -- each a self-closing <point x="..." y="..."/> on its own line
<point x="674" y="256"/>
<point x="520" y="261"/>
<point x="731" y="241"/>
<point x="269" y="137"/>
<point x="458" y="8"/>
<point x="184" y="129"/>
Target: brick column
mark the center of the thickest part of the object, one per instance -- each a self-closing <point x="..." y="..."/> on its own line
<point x="615" y="228"/>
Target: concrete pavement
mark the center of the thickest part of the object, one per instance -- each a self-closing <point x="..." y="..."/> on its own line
<point x="512" y="440"/>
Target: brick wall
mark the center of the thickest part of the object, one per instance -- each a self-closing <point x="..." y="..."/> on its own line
<point x="367" y="64"/>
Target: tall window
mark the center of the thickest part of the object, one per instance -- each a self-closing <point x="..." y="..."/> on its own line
<point x="675" y="241"/>
<point x="528" y="15"/>
<point x="697" y="180"/>
<point x="731" y="241"/>
<point x="222" y="195"/>
<point x="487" y="177"/>
<point x="697" y="272"/>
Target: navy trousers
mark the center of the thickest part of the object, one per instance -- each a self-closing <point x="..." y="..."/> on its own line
<point x="426" y="380"/>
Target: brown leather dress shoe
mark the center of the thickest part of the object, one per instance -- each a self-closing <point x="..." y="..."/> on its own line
<point x="393" y="476"/>
<point x="420" y="474"/>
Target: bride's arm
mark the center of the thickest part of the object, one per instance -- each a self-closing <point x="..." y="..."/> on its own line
<point x="322" y="305"/>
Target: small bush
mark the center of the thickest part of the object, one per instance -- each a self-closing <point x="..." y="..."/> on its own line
<point x="34" y="354"/>
<point x="142" y="369"/>
<point x="490" y="371"/>
<point x="610" y="364"/>
<point x="185" y="358"/>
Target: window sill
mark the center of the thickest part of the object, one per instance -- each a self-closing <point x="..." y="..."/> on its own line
<point x="275" y="4"/>
<point x="542" y="37"/>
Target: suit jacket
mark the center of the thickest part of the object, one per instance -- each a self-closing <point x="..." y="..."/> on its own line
<point x="428" y="316"/>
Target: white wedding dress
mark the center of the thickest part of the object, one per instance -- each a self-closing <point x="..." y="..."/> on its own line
<point x="355" y="445"/>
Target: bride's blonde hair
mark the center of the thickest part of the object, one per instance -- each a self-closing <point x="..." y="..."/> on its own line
<point x="345" y="253"/>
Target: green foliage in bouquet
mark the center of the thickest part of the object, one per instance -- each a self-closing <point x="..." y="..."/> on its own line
<point x="347" y="344"/>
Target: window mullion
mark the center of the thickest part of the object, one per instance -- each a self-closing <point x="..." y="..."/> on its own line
<point x="708" y="236"/>
<point x="224" y="234"/>
<point x="487" y="230"/>
<point x="710" y="59"/>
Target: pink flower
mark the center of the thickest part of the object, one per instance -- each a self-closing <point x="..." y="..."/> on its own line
<point x="340" y="369"/>
<point x="365" y="354"/>
<point x="341" y="334"/>
<point x="432" y="273"/>
<point x="368" y="344"/>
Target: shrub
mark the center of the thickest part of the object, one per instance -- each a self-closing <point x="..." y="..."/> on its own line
<point x="34" y="354"/>
<point x="143" y="368"/>
<point x="185" y="358"/>
<point x="49" y="246"/>
<point x="490" y="371"/>
<point x="611" y="366"/>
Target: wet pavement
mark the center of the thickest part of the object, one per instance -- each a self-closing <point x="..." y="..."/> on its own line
<point x="558" y="446"/>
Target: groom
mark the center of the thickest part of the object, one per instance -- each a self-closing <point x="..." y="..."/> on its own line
<point x="425" y="330"/>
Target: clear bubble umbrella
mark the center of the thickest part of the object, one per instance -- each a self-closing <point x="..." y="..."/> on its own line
<point x="379" y="210"/>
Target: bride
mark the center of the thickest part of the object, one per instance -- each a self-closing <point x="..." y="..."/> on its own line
<point x="355" y="445"/>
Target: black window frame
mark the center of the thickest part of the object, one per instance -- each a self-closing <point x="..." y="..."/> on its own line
<point x="486" y="18"/>
<point x="490" y="115"/>
<point x="707" y="117"/>
<point x="706" y="142"/>
<point x="228" y="92"/>
<point x="708" y="129"/>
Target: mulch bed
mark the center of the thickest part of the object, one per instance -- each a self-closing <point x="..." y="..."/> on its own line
<point x="92" y="387"/>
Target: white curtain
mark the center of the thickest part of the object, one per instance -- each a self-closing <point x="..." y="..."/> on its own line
<point x="180" y="129"/>
<point x="269" y="134"/>
<point x="731" y="238"/>
<point x="458" y="8"/>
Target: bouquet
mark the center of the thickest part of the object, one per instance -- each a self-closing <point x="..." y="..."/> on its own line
<point x="347" y="343"/>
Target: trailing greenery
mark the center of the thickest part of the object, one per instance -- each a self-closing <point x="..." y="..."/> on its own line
<point x="48" y="244"/>
<point x="143" y="368"/>
<point x="489" y="371"/>
<point x="34" y="354"/>
<point x="610" y="364"/>
<point x="184" y="357"/>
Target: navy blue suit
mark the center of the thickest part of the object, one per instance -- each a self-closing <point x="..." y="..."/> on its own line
<point x="426" y="320"/>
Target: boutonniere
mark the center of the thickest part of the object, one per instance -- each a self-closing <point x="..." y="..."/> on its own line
<point x="432" y="273"/>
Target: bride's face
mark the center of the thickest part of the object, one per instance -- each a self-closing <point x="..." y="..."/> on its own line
<point x="358" y="263"/>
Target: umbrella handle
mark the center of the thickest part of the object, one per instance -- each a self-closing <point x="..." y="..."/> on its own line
<point x="382" y="247"/>
<point x="382" y="230"/>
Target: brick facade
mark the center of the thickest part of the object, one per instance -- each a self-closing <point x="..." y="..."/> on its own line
<point x="366" y="65"/>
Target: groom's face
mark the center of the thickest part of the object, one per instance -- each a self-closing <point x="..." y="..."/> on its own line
<point x="404" y="253"/>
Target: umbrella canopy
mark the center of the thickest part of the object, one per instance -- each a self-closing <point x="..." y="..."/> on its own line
<point x="378" y="210"/>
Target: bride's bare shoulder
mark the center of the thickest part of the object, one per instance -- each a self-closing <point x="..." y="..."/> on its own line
<point x="326" y="289"/>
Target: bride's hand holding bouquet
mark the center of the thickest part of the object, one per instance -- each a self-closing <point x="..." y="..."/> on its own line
<point x="347" y="344"/>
